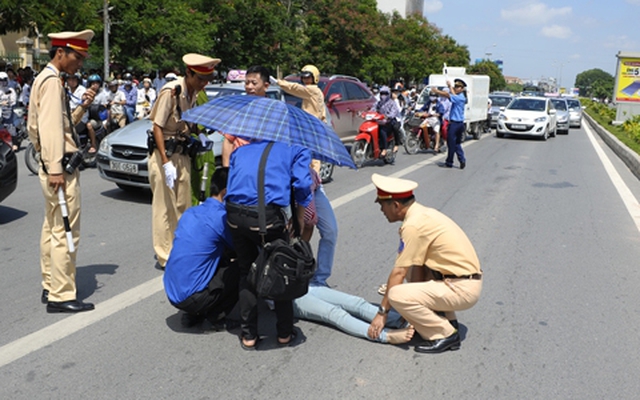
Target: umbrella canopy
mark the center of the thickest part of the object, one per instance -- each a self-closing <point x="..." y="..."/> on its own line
<point x="261" y="118"/>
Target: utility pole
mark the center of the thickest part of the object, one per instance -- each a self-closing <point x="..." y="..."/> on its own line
<point x="106" y="30"/>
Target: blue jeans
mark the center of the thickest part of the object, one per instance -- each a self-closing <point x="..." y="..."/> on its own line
<point x="328" y="227"/>
<point x="350" y="314"/>
<point x="454" y="142"/>
<point x="131" y="113"/>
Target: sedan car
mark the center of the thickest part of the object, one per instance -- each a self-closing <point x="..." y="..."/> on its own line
<point x="562" y="114"/>
<point x="498" y="103"/>
<point x="575" y="113"/>
<point x="530" y="116"/>
<point x="346" y="98"/>
<point x="8" y="165"/>
<point x="122" y="157"/>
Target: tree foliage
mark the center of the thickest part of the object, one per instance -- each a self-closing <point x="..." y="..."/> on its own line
<point x="487" y="67"/>
<point x="595" y="83"/>
<point x="339" y="36"/>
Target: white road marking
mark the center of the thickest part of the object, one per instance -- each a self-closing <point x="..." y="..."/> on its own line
<point x="629" y="200"/>
<point x="19" y="348"/>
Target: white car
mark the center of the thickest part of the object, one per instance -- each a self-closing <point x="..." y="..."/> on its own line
<point x="528" y="116"/>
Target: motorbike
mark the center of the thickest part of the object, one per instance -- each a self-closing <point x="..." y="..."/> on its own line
<point x="96" y="113"/>
<point x="20" y="121"/>
<point x="366" y="146"/>
<point x="416" y="140"/>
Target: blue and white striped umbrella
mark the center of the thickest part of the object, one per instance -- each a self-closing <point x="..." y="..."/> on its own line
<point x="253" y="117"/>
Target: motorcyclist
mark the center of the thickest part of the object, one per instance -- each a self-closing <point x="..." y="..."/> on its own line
<point x="146" y="98"/>
<point x="8" y="99"/>
<point x="432" y="113"/>
<point x="131" y="96"/>
<point x="389" y="108"/>
<point x="93" y="118"/>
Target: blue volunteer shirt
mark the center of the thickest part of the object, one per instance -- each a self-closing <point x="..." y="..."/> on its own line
<point x="458" y="102"/>
<point x="286" y="165"/>
<point x="200" y="239"/>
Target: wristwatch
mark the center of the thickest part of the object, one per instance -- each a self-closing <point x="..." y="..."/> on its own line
<point x="382" y="311"/>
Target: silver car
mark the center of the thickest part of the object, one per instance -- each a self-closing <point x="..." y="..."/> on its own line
<point x="123" y="155"/>
<point x="498" y="103"/>
<point x="562" y="114"/>
<point x="575" y="113"/>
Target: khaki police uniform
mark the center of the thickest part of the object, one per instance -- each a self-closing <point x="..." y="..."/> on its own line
<point x="168" y="204"/>
<point x="312" y="102"/>
<point x="51" y="133"/>
<point x="431" y="240"/>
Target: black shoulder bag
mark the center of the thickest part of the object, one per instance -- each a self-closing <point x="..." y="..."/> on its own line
<point x="283" y="269"/>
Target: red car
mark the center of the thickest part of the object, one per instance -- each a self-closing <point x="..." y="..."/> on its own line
<point x="345" y="97"/>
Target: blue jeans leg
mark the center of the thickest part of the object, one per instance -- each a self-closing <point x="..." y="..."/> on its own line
<point x="350" y="314"/>
<point x="328" y="227"/>
<point x="130" y="111"/>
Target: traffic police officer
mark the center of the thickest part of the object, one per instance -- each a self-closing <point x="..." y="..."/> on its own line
<point x="169" y="164"/>
<point x="50" y="127"/>
<point x="437" y="259"/>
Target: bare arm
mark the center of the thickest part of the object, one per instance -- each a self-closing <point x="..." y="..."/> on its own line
<point x="396" y="277"/>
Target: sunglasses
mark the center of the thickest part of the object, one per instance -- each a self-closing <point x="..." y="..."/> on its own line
<point x="458" y="86"/>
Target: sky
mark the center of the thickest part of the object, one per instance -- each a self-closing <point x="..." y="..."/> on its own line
<point x="535" y="39"/>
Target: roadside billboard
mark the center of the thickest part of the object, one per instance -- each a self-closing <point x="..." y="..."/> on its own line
<point x="628" y="78"/>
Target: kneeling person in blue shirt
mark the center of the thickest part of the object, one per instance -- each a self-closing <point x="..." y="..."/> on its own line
<point x="199" y="278"/>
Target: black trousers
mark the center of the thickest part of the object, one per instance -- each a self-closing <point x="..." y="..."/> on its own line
<point x="217" y="300"/>
<point x="243" y="222"/>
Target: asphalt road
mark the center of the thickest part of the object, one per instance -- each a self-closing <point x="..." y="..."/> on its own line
<point x="558" y="316"/>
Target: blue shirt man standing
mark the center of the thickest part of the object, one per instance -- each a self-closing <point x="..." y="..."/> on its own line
<point x="199" y="278"/>
<point x="287" y="169"/>
<point x="456" y="126"/>
<point x="131" y="96"/>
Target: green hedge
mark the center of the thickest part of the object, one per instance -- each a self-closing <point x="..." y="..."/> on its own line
<point x="628" y="133"/>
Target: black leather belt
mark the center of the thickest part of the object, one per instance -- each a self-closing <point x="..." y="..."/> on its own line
<point x="439" y="277"/>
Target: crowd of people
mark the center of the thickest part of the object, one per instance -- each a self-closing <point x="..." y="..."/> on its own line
<point x="206" y="251"/>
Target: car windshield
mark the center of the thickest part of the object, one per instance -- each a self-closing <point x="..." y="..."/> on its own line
<point x="500" y="101"/>
<point x="560" y="105"/>
<point x="573" y="104"/>
<point x="527" y="105"/>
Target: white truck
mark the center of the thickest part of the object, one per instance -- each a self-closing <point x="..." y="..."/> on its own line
<point x="475" y="113"/>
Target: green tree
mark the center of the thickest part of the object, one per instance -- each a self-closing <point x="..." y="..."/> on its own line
<point x="489" y="68"/>
<point x="586" y="82"/>
<point x="149" y="34"/>
<point x="513" y="87"/>
<point x="46" y="16"/>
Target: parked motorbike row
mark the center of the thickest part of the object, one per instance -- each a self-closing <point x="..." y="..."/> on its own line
<point x="96" y="113"/>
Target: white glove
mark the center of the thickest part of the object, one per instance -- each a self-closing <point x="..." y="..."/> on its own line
<point x="273" y="80"/>
<point x="170" y="174"/>
<point x="204" y="139"/>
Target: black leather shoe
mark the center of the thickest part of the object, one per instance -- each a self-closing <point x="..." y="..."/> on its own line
<point x="45" y="296"/>
<point x="463" y="164"/>
<point x="72" y="306"/>
<point x="444" y="165"/>
<point x="439" y="345"/>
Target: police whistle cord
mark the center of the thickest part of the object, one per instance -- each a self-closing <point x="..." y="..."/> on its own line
<point x="65" y="219"/>
<point x="203" y="182"/>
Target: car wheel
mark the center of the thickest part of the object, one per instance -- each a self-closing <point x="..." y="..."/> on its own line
<point x="545" y="136"/>
<point x="499" y="134"/>
<point x="326" y="171"/>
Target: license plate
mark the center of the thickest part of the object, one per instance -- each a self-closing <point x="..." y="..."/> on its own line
<point x="129" y="168"/>
<point x="515" y="126"/>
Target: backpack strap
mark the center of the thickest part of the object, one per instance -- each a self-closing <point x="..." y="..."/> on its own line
<point x="262" y="217"/>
